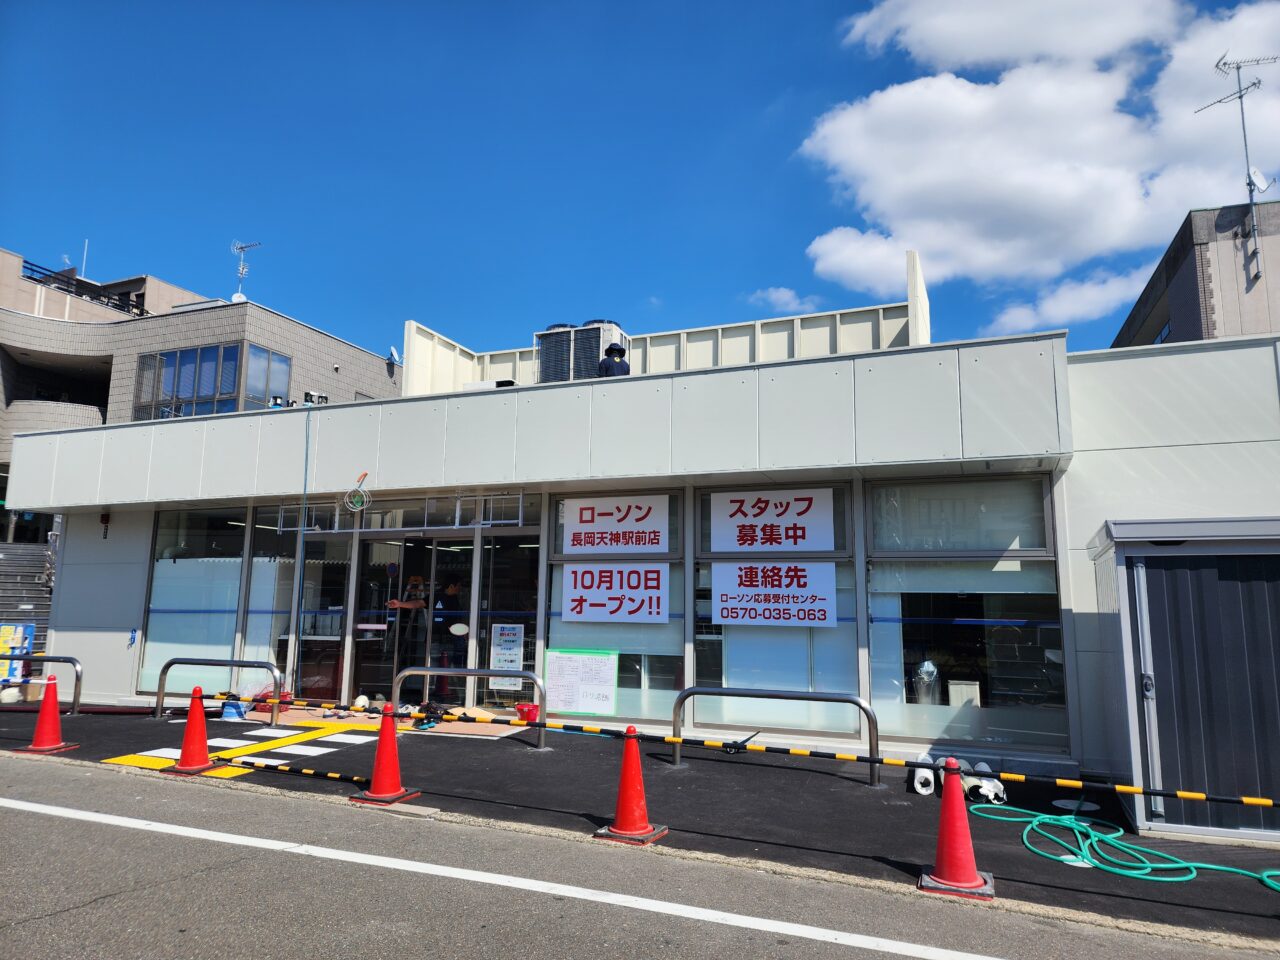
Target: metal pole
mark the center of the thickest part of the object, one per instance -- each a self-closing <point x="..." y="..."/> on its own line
<point x="277" y="681"/>
<point x="873" y="725"/>
<point x="1248" y="171"/>
<point x="49" y="658"/>
<point x="540" y="689"/>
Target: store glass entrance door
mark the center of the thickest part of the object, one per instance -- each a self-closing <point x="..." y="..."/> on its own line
<point x="413" y="609"/>
<point x="322" y="621"/>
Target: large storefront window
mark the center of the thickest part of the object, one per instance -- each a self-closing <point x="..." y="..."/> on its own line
<point x="615" y="589"/>
<point x="776" y="607"/>
<point x="195" y="594"/>
<point x="966" y="639"/>
<point x="650" y="655"/>
<point x="271" y="566"/>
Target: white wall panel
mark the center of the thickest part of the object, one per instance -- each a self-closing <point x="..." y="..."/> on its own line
<point x="79" y="464"/>
<point x="1175" y="396"/>
<point x="345" y="445"/>
<point x="128" y="538"/>
<point x="1159" y="483"/>
<point x="480" y="438"/>
<point x="907" y="407"/>
<point x="632" y="421"/>
<point x="737" y="344"/>
<point x="231" y="457"/>
<point x="280" y="451"/>
<point x="1007" y="401"/>
<point x="126" y="461"/>
<point x="411" y="448"/>
<point x="714" y="422"/>
<point x="177" y="459"/>
<point x="31" y="472"/>
<point x="806" y="415"/>
<point x="554" y="435"/>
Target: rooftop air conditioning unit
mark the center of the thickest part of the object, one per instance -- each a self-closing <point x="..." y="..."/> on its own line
<point x="566" y="352"/>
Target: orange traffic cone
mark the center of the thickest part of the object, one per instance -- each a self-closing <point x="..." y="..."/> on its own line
<point x="48" y="735"/>
<point x="955" y="871"/>
<point x="195" y="742"/>
<point x="631" y="816"/>
<point x="386" y="788"/>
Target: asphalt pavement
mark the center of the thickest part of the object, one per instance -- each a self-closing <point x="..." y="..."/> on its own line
<point x="169" y="868"/>
<point x="800" y="813"/>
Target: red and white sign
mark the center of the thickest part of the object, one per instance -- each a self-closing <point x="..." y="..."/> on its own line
<point x="767" y="594"/>
<point x="616" y="525"/>
<point x="615" y="592"/>
<point x="760" y="521"/>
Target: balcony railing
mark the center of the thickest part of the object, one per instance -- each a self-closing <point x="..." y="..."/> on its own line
<point x="85" y="289"/>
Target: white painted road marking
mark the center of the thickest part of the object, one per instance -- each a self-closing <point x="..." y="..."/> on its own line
<point x="167" y="753"/>
<point x="271" y="732"/>
<point x="228" y="742"/>
<point x="897" y="947"/>
<point x="347" y="738"/>
<point x="303" y="750"/>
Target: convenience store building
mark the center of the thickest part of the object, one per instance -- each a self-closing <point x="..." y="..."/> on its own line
<point x="1013" y="552"/>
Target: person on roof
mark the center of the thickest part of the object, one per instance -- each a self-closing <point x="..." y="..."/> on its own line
<point x="613" y="364"/>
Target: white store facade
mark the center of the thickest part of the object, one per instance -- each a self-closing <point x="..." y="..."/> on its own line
<point x="968" y="535"/>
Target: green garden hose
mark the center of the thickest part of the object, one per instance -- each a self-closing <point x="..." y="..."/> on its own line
<point x="1098" y="843"/>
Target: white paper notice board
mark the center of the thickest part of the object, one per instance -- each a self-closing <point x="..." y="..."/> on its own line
<point x="582" y="681"/>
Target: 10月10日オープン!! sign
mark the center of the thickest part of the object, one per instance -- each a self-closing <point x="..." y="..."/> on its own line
<point x="615" y="592"/>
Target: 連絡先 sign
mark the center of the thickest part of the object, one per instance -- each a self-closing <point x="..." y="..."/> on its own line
<point x="582" y="681"/>
<point x="768" y="594"/>
<point x="759" y="521"/>
<point x="615" y="592"/>
<point x="616" y="525"/>
<point x="506" y="652"/>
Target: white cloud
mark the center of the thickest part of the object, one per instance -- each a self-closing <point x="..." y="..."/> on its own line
<point x="996" y="33"/>
<point x="784" y="300"/>
<point x="1026" y="177"/>
<point x="1073" y="301"/>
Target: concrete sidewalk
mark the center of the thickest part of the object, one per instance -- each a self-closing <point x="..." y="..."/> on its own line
<point x="797" y="811"/>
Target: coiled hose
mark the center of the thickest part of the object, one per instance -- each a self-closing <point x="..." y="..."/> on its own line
<point x="1097" y="843"/>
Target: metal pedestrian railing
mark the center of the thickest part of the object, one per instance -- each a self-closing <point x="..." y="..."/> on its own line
<point x="687" y="694"/>
<point x="428" y="672"/>
<point x="50" y="658"/>
<point x="277" y="680"/>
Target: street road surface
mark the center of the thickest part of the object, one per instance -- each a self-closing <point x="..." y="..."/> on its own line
<point x="114" y="862"/>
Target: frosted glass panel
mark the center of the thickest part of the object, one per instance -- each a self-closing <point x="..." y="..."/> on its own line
<point x="959" y="515"/>
<point x="195" y="594"/>
<point x="967" y="576"/>
<point x="192" y="614"/>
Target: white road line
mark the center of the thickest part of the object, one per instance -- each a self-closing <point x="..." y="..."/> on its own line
<point x="273" y="732"/>
<point x="347" y="738"/>
<point x="228" y="742"/>
<point x="166" y="753"/>
<point x="897" y="947"/>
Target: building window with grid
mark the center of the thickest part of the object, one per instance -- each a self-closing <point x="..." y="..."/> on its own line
<point x="192" y="382"/>
<point x="266" y="376"/>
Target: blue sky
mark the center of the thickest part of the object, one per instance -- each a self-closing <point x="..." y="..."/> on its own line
<point x="489" y="168"/>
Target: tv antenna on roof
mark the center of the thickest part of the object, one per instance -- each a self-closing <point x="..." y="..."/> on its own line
<point x="1224" y="67"/>
<point x="242" y="271"/>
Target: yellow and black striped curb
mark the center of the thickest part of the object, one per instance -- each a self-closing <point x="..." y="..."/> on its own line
<point x="733" y="746"/>
<point x="297" y="771"/>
